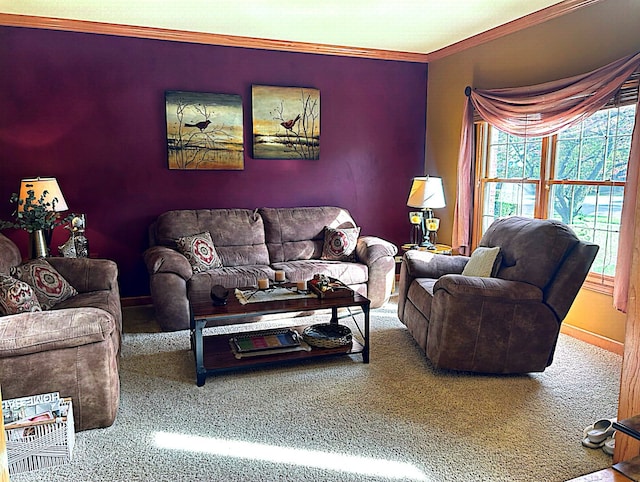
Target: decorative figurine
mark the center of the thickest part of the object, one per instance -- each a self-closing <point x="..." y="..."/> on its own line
<point x="68" y="249"/>
<point x="77" y="246"/>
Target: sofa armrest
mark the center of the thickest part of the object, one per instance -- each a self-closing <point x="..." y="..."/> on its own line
<point x="472" y="286"/>
<point x="378" y="255"/>
<point x="422" y="264"/>
<point x="42" y="331"/>
<point x="371" y="248"/>
<point x="87" y="274"/>
<point x="160" y="259"/>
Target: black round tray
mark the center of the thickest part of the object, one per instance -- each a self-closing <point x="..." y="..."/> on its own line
<point x="327" y="335"/>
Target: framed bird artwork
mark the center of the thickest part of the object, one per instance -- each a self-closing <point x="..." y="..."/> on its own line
<point x="204" y="131"/>
<point x="286" y="122"/>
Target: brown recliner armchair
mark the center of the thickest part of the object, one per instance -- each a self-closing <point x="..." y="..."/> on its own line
<point x="72" y="348"/>
<point x="503" y="324"/>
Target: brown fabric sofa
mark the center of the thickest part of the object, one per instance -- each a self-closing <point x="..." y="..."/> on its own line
<point x="504" y="324"/>
<point x="73" y="348"/>
<point x="253" y="244"/>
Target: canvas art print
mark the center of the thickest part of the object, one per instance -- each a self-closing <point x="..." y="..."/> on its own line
<point x="204" y="131"/>
<point x="286" y="122"/>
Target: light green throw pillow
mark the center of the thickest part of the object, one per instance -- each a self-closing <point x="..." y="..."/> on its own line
<point x="484" y="262"/>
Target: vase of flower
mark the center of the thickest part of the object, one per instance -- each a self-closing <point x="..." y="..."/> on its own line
<point x="38" y="217"/>
<point x="38" y="247"/>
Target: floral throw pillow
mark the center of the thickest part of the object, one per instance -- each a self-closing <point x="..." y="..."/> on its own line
<point x="49" y="285"/>
<point x="340" y="244"/>
<point x="16" y="296"/>
<point x="200" y="252"/>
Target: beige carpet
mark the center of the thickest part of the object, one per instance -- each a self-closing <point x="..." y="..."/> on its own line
<point x="396" y="418"/>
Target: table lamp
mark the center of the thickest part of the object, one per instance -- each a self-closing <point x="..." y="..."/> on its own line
<point x="53" y="202"/>
<point x="427" y="194"/>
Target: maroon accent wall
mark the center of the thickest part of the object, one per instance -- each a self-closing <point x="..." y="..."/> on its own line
<point x="89" y="110"/>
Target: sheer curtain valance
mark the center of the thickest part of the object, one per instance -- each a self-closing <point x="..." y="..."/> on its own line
<point x="541" y="110"/>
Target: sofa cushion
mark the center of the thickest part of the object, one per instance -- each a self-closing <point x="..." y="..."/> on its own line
<point x="304" y="269"/>
<point x="200" y="252"/>
<point x="298" y="233"/>
<point x="229" y="277"/>
<point x="340" y="244"/>
<point x="49" y="285"/>
<point x="16" y="296"/>
<point x="484" y="262"/>
<point x="237" y="234"/>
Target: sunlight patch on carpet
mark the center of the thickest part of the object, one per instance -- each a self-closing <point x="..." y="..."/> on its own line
<point x="287" y="455"/>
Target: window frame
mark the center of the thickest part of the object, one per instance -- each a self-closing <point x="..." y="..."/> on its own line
<point x="595" y="281"/>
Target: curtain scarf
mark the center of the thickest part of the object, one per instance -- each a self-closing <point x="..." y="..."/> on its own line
<point x="541" y="110"/>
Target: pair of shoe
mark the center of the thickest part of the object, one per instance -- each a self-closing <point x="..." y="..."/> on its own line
<point x="600" y="435"/>
<point x="610" y="444"/>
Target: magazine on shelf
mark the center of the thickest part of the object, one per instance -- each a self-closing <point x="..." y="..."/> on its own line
<point x="267" y="342"/>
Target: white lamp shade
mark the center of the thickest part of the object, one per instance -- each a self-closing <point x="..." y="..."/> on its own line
<point x="426" y="192"/>
<point x="38" y="186"/>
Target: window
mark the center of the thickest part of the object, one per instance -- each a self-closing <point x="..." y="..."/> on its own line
<point x="576" y="176"/>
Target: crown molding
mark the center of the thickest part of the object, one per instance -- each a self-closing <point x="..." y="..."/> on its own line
<point x="535" y="18"/>
<point x="83" y="26"/>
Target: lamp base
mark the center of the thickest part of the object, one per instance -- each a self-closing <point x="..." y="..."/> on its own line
<point x="427" y="244"/>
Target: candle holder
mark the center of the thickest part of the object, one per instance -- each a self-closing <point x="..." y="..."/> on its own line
<point x="415" y="218"/>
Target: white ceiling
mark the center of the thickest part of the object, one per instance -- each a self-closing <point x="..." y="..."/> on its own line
<point x="417" y="26"/>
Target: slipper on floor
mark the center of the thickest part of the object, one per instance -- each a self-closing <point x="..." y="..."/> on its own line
<point x="602" y="429"/>
<point x="610" y="444"/>
<point x="588" y="443"/>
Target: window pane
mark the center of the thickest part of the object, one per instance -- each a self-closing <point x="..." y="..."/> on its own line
<point x="507" y="199"/>
<point x="534" y="154"/>
<point x="515" y="160"/>
<point x="594" y="213"/>
<point x="598" y="148"/>
<point x="512" y="157"/>
<point x="497" y="161"/>
<point x="620" y="144"/>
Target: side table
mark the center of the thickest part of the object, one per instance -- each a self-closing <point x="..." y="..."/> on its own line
<point x="439" y="249"/>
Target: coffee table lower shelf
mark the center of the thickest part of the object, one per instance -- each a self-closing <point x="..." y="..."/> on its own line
<point x="218" y="357"/>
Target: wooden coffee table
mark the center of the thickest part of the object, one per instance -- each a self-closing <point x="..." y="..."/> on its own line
<point x="213" y="353"/>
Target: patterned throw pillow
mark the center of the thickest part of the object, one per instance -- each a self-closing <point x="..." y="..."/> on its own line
<point x="49" y="285"/>
<point x="16" y="296"/>
<point x="340" y="244"/>
<point x="200" y="252"/>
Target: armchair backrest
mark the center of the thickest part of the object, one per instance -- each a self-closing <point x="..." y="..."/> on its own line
<point x="9" y="254"/>
<point x="545" y="253"/>
<point x="561" y="292"/>
<point x="531" y="249"/>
